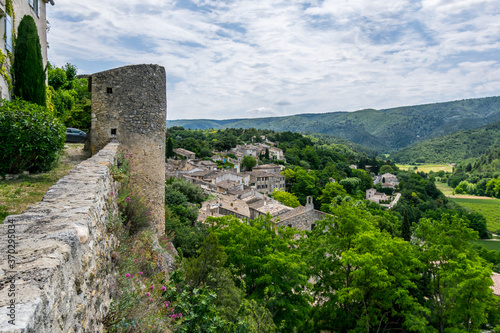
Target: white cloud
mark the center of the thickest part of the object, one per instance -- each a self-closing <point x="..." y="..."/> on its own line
<point x="228" y="57"/>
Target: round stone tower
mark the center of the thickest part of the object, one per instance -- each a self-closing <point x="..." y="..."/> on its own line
<point x="129" y="104"/>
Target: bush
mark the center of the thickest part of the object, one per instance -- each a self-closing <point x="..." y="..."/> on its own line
<point x="30" y="137"/>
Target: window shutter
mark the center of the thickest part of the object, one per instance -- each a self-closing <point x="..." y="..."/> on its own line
<point x="37" y="8"/>
<point x="8" y="33"/>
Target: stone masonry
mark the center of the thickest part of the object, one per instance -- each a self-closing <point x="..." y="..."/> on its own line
<point x="130" y="104"/>
<point x="63" y="274"/>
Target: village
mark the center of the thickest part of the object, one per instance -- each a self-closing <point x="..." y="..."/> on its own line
<point x="245" y="194"/>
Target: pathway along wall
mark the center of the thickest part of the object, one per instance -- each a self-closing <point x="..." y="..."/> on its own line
<point x="62" y="275"/>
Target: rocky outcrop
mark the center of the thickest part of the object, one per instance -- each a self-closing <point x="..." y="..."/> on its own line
<point x="56" y="265"/>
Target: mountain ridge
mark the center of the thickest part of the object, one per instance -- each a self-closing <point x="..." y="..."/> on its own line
<point x="384" y="130"/>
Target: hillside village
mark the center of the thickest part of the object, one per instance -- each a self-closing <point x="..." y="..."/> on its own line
<point x="244" y="194"/>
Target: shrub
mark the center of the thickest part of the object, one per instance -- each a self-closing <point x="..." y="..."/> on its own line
<point x="29" y="74"/>
<point x="31" y="137"/>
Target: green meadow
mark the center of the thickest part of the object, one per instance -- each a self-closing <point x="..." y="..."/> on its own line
<point x="490" y="208"/>
<point x="489" y="244"/>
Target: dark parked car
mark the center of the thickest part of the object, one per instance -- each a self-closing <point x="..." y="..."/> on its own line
<point x="75" y="135"/>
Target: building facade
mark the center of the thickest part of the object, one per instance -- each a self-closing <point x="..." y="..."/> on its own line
<point x="11" y="13"/>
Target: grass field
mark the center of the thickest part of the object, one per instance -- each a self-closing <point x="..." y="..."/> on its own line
<point x="17" y="195"/>
<point x="490" y="245"/>
<point x="490" y="208"/>
<point x="426" y="167"/>
<point x="443" y="187"/>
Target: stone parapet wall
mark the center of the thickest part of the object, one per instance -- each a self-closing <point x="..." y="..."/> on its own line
<point x="62" y="276"/>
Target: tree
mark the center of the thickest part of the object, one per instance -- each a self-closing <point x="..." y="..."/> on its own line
<point x="269" y="266"/>
<point x="406" y="226"/>
<point x="286" y="198"/>
<point x="29" y="74"/>
<point x="458" y="290"/>
<point x="386" y="169"/>
<point x="364" y="277"/>
<point x="330" y="192"/>
<point x="248" y="162"/>
<point x="305" y="184"/>
<point x="170" y="148"/>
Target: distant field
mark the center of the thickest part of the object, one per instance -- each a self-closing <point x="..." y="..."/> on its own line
<point x="427" y="167"/>
<point x="490" y="245"/>
<point x="490" y="208"/>
<point x="443" y="187"/>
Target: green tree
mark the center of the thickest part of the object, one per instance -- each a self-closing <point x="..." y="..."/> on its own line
<point x="29" y="74"/>
<point x="286" y="198"/>
<point x="248" y="162"/>
<point x="305" y="184"/>
<point x="268" y="263"/>
<point x="386" y="169"/>
<point x="458" y="288"/>
<point x="170" y="148"/>
<point x="331" y="192"/>
<point x="364" y="277"/>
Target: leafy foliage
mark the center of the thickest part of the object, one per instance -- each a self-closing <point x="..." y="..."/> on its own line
<point x="31" y="137"/>
<point x="29" y="74"/>
<point x="70" y="96"/>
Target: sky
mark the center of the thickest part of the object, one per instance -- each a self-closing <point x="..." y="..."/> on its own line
<point x="228" y="59"/>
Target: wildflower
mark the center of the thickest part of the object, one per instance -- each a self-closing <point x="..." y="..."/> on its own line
<point x="136" y="261"/>
<point x="150" y="299"/>
<point x="152" y="287"/>
<point x="163" y="288"/>
<point x="112" y="193"/>
<point x="140" y="273"/>
<point x="148" y="294"/>
<point x="128" y="275"/>
<point x="127" y="199"/>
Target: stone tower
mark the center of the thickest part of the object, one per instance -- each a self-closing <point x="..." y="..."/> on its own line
<point x="129" y="104"/>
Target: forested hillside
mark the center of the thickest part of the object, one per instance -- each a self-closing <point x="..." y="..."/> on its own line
<point x="451" y="148"/>
<point x="383" y="130"/>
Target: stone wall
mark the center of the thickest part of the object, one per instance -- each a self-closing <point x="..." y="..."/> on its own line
<point x="63" y="274"/>
<point x="130" y="104"/>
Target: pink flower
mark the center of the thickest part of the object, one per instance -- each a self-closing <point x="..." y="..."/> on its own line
<point x="150" y="299"/>
<point x="127" y="199"/>
<point x="140" y="273"/>
<point x="128" y="275"/>
<point x="163" y="288"/>
<point x="152" y="287"/>
<point x="148" y="294"/>
<point x="136" y="261"/>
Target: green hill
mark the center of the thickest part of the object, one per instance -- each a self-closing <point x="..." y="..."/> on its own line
<point x="451" y="148"/>
<point x="383" y="130"/>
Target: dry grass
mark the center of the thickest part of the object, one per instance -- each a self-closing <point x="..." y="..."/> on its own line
<point x="426" y="167"/>
<point x="18" y="194"/>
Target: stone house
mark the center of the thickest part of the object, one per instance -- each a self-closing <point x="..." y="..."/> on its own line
<point x="277" y="154"/>
<point x="389" y="178"/>
<point x="266" y="182"/>
<point x="9" y="23"/>
<point x="302" y="218"/>
<point x="375" y="196"/>
<point x="266" y="206"/>
<point x="185" y="153"/>
<point x="268" y="168"/>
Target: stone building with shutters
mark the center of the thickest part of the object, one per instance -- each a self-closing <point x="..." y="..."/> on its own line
<point x="10" y="17"/>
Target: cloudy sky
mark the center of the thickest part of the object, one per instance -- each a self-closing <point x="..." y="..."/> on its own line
<point x="254" y="58"/>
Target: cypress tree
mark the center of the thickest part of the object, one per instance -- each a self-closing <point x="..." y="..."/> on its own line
<point x="170" y="148"/>
<point x="405" y="226"/>
<point x="29" y="74"/>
